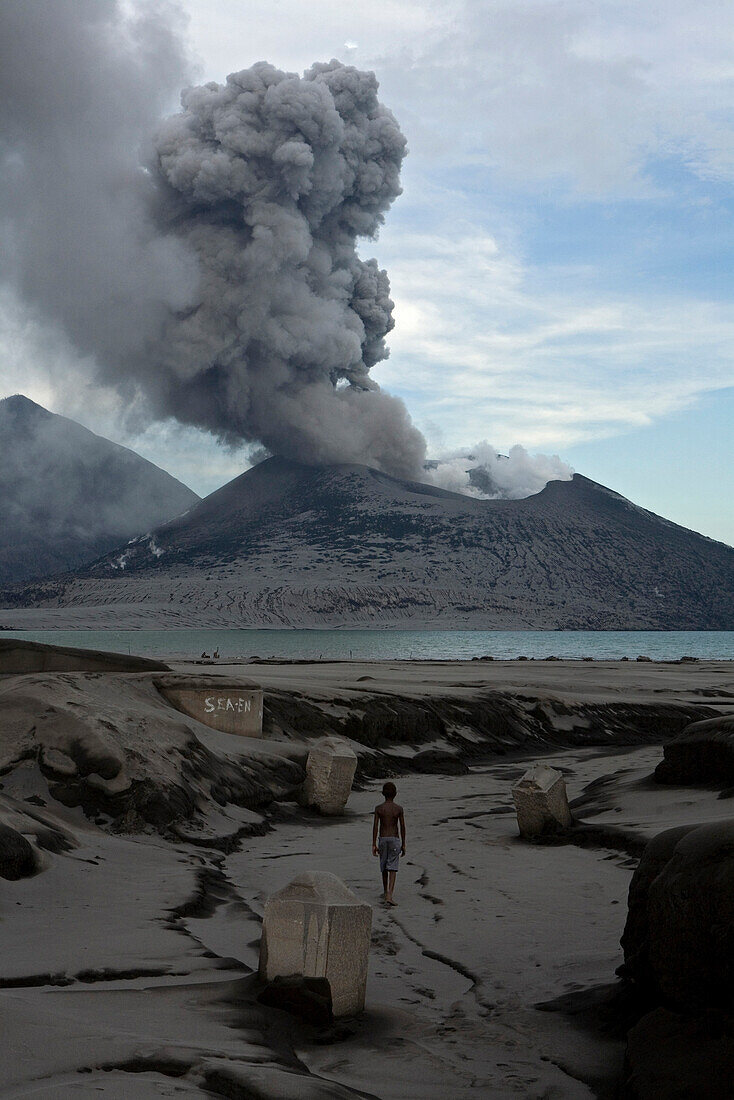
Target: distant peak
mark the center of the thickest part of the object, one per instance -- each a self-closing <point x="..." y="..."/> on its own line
<point x="20" y="405"/>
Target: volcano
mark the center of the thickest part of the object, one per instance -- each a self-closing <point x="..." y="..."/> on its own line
<point x="68" y="495"/>
<point x="286" y="544"/>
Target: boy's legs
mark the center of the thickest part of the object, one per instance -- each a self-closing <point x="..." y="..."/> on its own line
<point x="384" y="883"/>
<point x="390" y="888"/>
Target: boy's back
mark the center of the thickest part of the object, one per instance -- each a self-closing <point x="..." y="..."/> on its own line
<point x="389" y="814"/>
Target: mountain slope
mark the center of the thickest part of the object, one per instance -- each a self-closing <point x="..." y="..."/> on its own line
<point x="287" y="544"/>
<point x="68" y="495"/>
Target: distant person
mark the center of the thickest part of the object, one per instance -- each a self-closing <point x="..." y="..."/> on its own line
<point x="389" y="822"/>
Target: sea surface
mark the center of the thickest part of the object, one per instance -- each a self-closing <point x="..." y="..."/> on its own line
<point x="397" y="644"/>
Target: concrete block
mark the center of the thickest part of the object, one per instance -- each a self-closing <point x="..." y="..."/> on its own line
<point x="315" y="927"/>
<point x="233" y="706"/>
<point x="541" y="802"/>
<point x="330" y="769"/>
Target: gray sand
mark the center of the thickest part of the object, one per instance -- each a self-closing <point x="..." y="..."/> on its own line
<point x="131" y="952"/>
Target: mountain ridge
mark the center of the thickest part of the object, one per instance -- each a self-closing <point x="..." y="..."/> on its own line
<point x="286" y="544"/>
<point x="68" y="495"/>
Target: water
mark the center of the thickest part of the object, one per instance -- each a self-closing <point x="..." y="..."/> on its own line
<point x="398" y="644"/>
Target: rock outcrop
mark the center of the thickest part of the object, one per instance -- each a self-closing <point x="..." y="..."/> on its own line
<point x="679" y="937"/>
<point x="675" y="1057"/>
<point x="16" y="854"/>
<point x="679" y="955"/>
<point x="702" y="753"/>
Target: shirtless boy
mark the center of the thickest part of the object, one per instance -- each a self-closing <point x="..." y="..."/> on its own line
<point x="389" y="818"/>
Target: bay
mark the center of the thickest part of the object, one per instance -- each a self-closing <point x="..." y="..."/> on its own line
<point x="397" y="644"/>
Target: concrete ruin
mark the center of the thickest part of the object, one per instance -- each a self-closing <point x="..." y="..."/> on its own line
<point x="19" y="657"/>
<point x="330" y="769"/>
<point x="232" y="706"/>
<point x="541" y="802"/>
<point x="315" y="927"/>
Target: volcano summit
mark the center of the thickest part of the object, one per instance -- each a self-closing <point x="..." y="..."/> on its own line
<point x="286" y="544"/>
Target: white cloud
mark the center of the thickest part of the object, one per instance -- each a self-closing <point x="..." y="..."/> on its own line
<point x="586" y="92"/>
<point x="475" y="350"/>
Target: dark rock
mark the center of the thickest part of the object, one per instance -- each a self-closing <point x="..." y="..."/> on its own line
<point x="438" y="762"/>
<point x="307" y="998"/>
<point x="68" y="496"/>
<point x="702" y="753"/>
<point x="673" y="1056"/>
<point x="648" y="659"/>
<point x="679" y="938"/>
<point x="17" y="859"/>
<point x="593" y="560"/>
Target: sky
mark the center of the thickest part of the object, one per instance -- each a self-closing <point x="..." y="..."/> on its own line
<point x="561" y="258"/>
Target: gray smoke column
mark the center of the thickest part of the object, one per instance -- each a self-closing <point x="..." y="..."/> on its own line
<point x="270" y="180"/>
<point x="220" y="283"/>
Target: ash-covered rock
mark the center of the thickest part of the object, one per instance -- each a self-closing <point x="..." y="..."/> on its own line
<point x="16" y="855"/>
<point x="112" y="745"/>
<point x="702" y="753"/>
<point x="679" y="953"/>
<point x="679" y="938"/>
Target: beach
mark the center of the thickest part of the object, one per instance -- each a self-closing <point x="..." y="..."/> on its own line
<point x="130" y="962"/>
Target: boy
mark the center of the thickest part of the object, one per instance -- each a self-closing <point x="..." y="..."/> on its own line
<point x="388" y="818"/>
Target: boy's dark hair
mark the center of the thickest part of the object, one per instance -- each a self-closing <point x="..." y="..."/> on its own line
<point x="389" y="790"/>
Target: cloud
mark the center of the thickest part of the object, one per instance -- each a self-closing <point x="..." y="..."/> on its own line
<point x="586" y="94"/>
<point x="509" y="353"/>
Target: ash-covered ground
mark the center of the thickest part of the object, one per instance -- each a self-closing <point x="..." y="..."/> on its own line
<point x="131" y="904"/>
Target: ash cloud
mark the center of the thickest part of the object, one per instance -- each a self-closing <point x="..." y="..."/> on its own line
<point x="220" y="284"/>
<point x="206" y="266"/>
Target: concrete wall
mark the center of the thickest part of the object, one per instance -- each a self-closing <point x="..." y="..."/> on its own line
<point x="232" y="706"/>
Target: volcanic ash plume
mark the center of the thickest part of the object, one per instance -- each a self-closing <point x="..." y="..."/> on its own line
<point x="221" y="284"/>
<point x="269" y="180"/>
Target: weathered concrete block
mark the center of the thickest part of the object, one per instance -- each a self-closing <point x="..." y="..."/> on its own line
<point x="315" y="927"/>
<point x="330" y="769"/>
<point x="541" y="802"/>
<point x="233" y="706"/>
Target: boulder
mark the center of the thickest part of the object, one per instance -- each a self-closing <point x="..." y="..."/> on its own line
<point x="17" y="859"/>
<point x="315" y="927"/>
<point x="702" y="753"/>
<point x="671" y="1055"/>
<point x="679" y="937"/>
<point x="541" y="802"/>
<point x="330" y="769"/>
